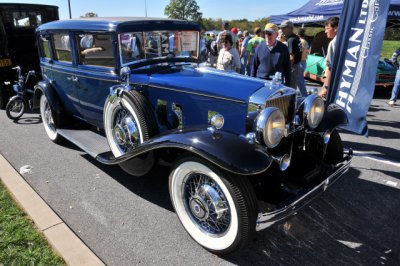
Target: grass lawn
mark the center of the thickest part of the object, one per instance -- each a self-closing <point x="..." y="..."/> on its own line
<point x="20" y="242"/>
<point x="388" y="47"/>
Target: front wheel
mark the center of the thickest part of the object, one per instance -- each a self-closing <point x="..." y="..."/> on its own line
<point x="15" y="108"/>
<point x="218" y="210"/>
<point x="50" y="120"/>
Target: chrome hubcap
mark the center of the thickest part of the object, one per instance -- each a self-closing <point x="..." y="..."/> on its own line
<point x="199" y="208"/>
<point x="206" y="204"/>
<point x="125" y="131"/>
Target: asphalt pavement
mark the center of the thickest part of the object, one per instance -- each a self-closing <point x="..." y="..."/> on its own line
<point x="130" y="221"/>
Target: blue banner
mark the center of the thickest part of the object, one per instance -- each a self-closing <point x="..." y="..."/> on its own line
<point x="321" y="10"/>
<point x="358" y="47"/>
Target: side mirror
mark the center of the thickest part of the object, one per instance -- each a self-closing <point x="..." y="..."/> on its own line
<point x="125" y="73"/>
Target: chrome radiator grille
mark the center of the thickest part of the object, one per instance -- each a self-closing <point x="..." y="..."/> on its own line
<point x="286" y="103"/>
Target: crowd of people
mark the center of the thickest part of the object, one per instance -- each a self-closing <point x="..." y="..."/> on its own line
<point x="276" y="48"/>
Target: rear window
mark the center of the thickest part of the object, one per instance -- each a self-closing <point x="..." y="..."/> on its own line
<point x="26" y="19"/>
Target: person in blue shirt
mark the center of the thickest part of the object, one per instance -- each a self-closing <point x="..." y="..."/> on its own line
<point x="245" y="66"/>
<point x="396" y="85"/>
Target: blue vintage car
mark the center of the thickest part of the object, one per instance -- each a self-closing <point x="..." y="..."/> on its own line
<point x="244" y="153"/>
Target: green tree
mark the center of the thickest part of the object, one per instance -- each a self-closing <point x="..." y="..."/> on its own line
<point x="183" y="9"/>
<point x="90" y="15"/>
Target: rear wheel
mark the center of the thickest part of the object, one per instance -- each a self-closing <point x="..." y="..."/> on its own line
<point x="218" y="210"/>
<point x="15" y="108"/>
<point x="50" y="120"/>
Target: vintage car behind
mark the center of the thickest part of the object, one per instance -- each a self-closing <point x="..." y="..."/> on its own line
<point x="17" y="41"/>
<point x="244" y="153"/>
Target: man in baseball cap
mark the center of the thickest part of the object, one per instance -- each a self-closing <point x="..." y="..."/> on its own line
<point x="271" y="56"/>
<point x="294" y="45"/>
<point x="286" y="23"/>
<point x="271" y="28"/>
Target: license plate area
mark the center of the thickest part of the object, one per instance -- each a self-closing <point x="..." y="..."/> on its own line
<point x="5" y="62"/>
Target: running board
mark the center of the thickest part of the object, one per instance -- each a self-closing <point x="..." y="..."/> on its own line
<point x="89" y="141"/>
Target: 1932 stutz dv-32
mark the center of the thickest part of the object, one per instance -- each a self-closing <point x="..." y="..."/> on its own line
<point x="244" y="153"/>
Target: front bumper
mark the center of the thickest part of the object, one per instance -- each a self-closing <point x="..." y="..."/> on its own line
<point x="266" y="219"/>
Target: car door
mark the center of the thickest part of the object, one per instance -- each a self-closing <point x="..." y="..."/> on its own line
<point x="63" y="72"/>
<point x="95" y="73"/>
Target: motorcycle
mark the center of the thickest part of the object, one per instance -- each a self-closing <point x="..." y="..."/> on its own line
<point x="18" y="104"/>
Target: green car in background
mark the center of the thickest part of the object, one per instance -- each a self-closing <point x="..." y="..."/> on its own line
<point x="385" y="73"/>
<point x="316" y="63"/>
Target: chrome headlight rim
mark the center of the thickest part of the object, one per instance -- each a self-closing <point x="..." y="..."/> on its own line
<point x="263" y="123"/>
<point x="310" y="104"/>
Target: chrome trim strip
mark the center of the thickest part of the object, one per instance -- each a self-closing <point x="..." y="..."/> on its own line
<point x="79" y="75"/>
<point x="199" y="94"/>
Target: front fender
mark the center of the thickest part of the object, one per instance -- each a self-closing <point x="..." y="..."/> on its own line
<point x="45" y="87"/>
<point x="231" y="152"/>
<point x="334" y="116"/>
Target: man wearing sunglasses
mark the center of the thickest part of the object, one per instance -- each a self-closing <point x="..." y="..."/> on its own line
<point x="271" y="56"/>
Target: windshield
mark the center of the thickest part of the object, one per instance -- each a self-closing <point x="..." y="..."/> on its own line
<point x="140" y="46"/>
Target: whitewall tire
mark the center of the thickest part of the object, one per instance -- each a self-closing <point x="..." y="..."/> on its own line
<point x="218" y="211"/>
<point x="49" y="119"/>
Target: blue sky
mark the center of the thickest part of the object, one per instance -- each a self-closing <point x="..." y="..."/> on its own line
<point x="225" y="9"/>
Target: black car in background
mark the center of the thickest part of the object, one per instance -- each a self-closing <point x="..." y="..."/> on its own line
<point x="17" y="41"/>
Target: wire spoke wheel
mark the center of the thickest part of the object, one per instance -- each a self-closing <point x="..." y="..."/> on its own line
<point x="218" y="210"/>
<point x="206" y="203"/>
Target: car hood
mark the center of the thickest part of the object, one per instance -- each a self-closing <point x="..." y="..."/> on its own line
<point x="207" y="81"/>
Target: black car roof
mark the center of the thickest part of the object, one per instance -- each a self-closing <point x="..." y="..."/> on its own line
<point x="119" y="24"/>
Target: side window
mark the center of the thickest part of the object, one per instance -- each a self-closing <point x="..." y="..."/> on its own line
<point x="95" y="49"/>
<point x="62" y="46"/>
<point x="44" y="46"/>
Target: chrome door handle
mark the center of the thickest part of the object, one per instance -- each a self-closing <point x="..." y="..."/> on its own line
<point x="73" y="78"/>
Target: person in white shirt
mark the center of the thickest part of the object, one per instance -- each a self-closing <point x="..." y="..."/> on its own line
<point x="331" y="28"/>
<point x="228" y="58"/>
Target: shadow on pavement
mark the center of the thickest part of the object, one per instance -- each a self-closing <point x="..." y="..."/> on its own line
<point x="152" y="187"/>
<point x="341" y="227"/>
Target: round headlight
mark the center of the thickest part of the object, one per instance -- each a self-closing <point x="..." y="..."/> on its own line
<point x="314" y="109"/>
<point x="270" y="127"/>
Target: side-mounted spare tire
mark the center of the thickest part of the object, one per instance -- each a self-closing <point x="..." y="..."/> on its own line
<point x="129" y="121"/>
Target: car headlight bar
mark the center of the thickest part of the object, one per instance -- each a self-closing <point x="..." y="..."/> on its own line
<point x="270" y="127"/>
<point x="314" y="109"/>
